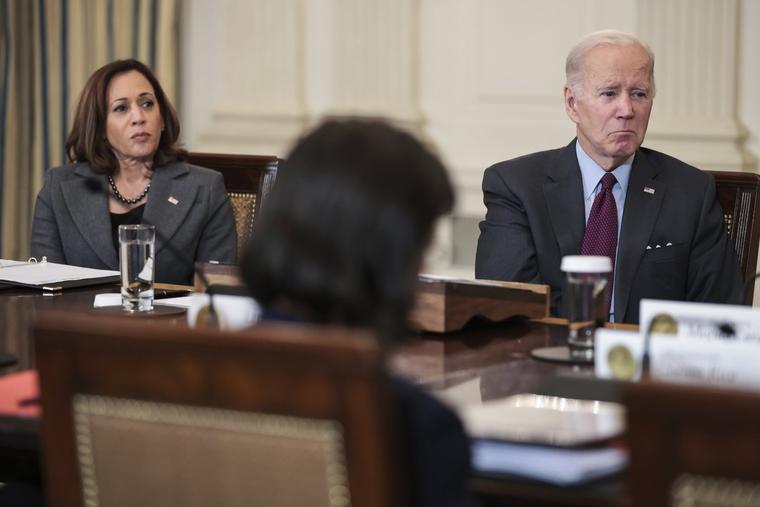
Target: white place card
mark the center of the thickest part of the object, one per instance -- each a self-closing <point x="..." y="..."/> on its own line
<point x="700" y="320"/>
<point x="617" y="354"/>
<point x="706" y="362"/>
<point x="693" y="343"/>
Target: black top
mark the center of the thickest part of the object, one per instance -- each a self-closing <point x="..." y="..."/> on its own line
<point x="436" y="448"/>
<point x="131" y="217"/>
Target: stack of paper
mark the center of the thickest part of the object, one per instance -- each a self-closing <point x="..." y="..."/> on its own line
<point x="540" y="437"/>
<point x="557" y="465"/>
<point x="52" y="276"/>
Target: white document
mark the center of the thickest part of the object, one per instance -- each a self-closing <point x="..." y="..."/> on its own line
<point x="5" y="263"/>
<point x="560" y="466"/>
<point x="40" y="274"/>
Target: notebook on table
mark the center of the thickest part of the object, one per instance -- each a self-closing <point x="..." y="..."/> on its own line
<point x="52" y="277"/>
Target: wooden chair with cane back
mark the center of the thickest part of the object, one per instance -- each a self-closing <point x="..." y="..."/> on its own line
<point x="693" y="446"/>
<point x="739" y="195"/>
<point x="136" y="412"/>
<point x="248" y="179"/>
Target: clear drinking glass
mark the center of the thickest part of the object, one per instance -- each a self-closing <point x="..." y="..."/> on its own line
<point x="136" y="251"/>
<point x="586" y="298"/>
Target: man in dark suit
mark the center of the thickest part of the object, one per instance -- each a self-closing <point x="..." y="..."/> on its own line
<point x="671" y="241"/>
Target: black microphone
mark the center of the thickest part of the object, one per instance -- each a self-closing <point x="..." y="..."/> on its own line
<point x="210" y="318"/>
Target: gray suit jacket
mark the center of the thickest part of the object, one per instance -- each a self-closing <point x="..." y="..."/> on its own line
<point x="72" y="226"/>
<point x="535" y="216"/>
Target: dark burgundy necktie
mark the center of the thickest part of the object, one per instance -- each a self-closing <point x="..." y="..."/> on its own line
<point x="600" y="237"/>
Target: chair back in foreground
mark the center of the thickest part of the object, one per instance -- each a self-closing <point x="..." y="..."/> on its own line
<point x="248" y="180"/>
<point x="739" y="195"/>
<point x="693" y="446"/>
<point x="138" y="412"/>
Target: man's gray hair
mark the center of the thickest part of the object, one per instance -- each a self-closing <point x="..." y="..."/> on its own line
<point x="577" y="55"/>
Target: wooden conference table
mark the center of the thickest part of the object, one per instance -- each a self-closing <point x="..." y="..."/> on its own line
<point x="486" y="363"/>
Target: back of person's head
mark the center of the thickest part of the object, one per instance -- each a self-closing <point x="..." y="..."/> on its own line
<point x="577" y="55"/>
<point x="87" y="142"/>
<point x="341" y="236"/>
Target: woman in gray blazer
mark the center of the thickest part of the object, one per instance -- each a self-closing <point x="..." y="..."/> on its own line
<point x="126" y="168"/>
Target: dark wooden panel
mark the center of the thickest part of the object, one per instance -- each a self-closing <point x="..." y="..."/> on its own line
<point x="675" y="430"/>
<point x="738" y="195"/>
<point x="242" y="173"/>
<point x="291" y="370"/>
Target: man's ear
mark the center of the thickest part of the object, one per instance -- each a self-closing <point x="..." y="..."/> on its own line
<point x="571" y="104"/>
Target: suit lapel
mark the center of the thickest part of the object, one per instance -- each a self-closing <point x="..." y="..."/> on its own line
<point x="639" y="218"/>
<point x="563" y="190"/>
<point x="172" y="195"/>
<point x="86" y="200"/>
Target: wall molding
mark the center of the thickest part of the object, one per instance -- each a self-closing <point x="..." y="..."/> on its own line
<point x="479" y="81"/>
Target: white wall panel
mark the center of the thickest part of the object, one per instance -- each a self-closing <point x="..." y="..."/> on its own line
<point x="749" y="74"/>
<point x="244" y="75"/>
<point x="480" y="80"/>
<point x="695" y="114"/>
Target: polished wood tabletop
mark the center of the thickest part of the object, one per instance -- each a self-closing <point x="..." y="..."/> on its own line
<point x="493" y="362"/>
<point x="18" y="308"/>
<point x="482" y="363"/>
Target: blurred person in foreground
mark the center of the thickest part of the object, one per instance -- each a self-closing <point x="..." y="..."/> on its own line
<point x="657" y="218"/>
<point x="126" y="168"/>
<point x="341" y="241"/>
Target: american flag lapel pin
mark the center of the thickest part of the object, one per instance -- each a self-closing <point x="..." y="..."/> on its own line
<point x="173" y="200"/>
<point x="649" y="190"/>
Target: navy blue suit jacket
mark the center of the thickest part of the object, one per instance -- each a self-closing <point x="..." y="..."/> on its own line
<point x="535" y="216"/>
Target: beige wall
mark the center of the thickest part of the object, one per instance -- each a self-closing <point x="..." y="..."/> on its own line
<point x="748" y="104"/>
<point x="480" y="79"/>
<point x="749" y="73"/>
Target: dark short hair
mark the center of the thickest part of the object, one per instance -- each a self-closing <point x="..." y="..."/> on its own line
<point x="345" y="228"/>
<point x="87" y="142"/>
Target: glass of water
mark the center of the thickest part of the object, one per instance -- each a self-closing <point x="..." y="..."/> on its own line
<point x="586" y="298"/>
<point x="136" y="252"/>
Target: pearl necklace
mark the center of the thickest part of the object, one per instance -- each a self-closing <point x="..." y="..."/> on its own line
<point x="123" y="199"/>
